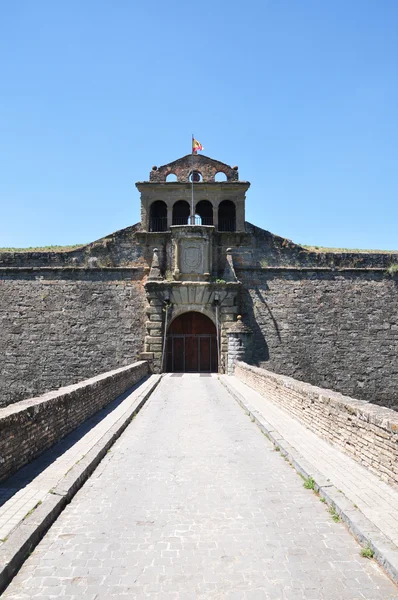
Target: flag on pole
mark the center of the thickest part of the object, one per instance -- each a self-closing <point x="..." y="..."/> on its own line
<point x="196" y="146"/>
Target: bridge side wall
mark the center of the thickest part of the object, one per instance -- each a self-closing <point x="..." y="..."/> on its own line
<point x="335" y="329"/>
<point x="366" y="432"/>
<point x="59" y="326"/>
<point x="29" y="427"/>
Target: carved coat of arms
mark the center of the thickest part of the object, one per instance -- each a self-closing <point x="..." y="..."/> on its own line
<point x="192" y="258"/>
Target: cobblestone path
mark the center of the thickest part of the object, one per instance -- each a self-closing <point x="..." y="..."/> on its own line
<point x="194" y="502"/>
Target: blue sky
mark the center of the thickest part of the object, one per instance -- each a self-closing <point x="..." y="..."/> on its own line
<point x="301" y="95"/>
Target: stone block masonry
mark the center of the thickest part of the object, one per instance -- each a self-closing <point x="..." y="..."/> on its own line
<point x="60" y="326"/>
<point x="29" y="427"/>
<point x="334" y="329"/>
<point x="367" y="432"/>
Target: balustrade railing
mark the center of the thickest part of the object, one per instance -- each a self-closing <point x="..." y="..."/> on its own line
<point x="227" y="225"/>
<point x="158" y="224"/>
<point x="180" y="220"/>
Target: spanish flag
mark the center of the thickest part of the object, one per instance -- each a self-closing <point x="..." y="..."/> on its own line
<point x="196" y="146"/>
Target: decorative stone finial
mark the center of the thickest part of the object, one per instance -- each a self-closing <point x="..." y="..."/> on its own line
<point x="239" y="327"/>
<point x="154" y="273"/>
<point x="229" y="271"/>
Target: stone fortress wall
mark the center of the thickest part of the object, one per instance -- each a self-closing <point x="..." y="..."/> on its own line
<point x="324" y="322"/>
<point x="334" y="329"/>
<point x="327" y="318"/>
<point x="61" y="326"/>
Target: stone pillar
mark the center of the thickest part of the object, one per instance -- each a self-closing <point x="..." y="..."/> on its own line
<point x="169" y="216"/>
<point x="240" y="216"/>
<point x="239" y="344"/>
<point x="215" y="215"/>
<point x="176" y="265"/>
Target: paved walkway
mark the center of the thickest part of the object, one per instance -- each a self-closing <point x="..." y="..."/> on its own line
<point x="20" y="493"/>
<point x="194" y="502"/>
<point x="377" y="500"/>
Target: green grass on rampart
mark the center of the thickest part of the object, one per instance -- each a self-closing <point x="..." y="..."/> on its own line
<point x="44" y="248"/>
<point x="348" y="250"/>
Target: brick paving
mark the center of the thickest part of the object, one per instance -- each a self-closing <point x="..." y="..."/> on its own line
<point x="194" y="502"/>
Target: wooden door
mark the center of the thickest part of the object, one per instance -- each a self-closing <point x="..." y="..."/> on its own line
<point x="192" y="344"/>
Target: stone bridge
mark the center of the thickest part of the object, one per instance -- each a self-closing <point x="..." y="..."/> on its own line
<point x="184" y="486"/>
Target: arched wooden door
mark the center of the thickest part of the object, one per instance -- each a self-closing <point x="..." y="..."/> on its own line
<point x="192" y="344"/>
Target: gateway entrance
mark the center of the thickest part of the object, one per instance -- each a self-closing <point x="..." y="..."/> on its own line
<point x="192" y="345"/>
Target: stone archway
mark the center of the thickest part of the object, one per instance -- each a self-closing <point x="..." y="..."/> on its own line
<point x="191" y="345"/>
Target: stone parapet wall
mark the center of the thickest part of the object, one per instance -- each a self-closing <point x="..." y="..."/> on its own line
<point x="366" y="432"/>
<point x="29" y="427"/>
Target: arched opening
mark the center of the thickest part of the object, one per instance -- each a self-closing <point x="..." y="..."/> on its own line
<point x="220" y="176"/>
<point x="171" y="177"/>
<point x="181" y="212"/>
<point x="195" y="176"/>
<point x="158" y="216"/>
<point x="204" y="209"/>
<point x="226" y="216"/>
<point x="192" y="344"/>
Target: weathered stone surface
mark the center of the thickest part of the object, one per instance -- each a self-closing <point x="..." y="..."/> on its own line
<point x="182" y="168"/>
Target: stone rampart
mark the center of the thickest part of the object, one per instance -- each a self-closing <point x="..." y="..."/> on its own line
<point x="366" y="432"/>
<point x="328" y="318"/>
<point x="29" y="427"/>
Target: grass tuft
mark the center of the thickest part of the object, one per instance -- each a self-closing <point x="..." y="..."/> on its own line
<point x="32" y="510"/>
<point x="367" y="552"/>
<point x="392" y="270"/>
<point x="309" y="483"/>
<point x="334" y="515"/>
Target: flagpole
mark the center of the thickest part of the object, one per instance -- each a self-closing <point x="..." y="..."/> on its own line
<point x="192" y="219"/>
